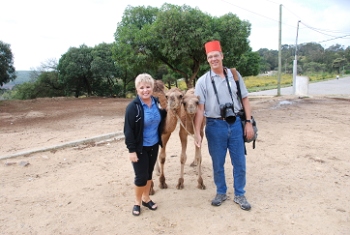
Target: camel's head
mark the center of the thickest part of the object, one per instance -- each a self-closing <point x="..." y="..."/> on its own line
<point x="159" y="92"/>
<point x="190" y="102"/>
<point x="174" y="98"/>
<point x="158" y="86"/>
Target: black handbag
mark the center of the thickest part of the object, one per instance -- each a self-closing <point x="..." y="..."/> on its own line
<point x="242" y="112"/>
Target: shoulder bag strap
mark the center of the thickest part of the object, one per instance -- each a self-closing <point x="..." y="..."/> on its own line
<point x="236" y="78"/>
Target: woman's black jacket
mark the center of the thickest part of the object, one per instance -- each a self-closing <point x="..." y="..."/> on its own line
<point x="134" y="124"/>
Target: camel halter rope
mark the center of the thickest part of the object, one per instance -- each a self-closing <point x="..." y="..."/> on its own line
<point x="194" y="129"/>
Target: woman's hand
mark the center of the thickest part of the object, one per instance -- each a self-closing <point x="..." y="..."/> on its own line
<point x="133" y="157"/>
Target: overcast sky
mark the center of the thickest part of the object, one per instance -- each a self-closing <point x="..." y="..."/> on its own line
<point x="38" y="30"/>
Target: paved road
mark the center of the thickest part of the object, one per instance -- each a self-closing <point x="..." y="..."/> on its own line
<point x="339" y="86"/>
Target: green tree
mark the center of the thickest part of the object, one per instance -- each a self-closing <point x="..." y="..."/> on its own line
<point x="314" y="67"/>
<point x="312" y="51"/>
<point x="75" y="71"/>
<point x="180" y="35"/>
<point x="338" y="64"/>
<point x="174" y="36"/>
<point x="89" y="71"/>
<point x="129" y="50"/>
<point x="105" y="71"/>
<point x="7" y="70"/>
<point x="249" y="63"/>
<point x="269" y="59"/>
<point x="233" y="34"/>
<point x="24" y="91"/>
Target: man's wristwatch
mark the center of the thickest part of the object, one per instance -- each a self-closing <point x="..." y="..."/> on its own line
<point x="248" y="121"/>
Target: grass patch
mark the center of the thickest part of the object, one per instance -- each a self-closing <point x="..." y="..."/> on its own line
<point x="261" y="83"/>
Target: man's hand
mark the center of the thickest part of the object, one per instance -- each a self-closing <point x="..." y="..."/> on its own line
<point x="198" y="140"/>
<point x="248" y="130"/>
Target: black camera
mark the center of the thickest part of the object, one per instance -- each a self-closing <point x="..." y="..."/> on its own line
<point x="226" y="112"/>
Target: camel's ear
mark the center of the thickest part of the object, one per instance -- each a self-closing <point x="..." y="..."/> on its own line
<point x="182" y="94"/>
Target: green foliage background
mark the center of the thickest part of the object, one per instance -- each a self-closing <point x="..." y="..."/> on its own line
<point x="167" y="43"/>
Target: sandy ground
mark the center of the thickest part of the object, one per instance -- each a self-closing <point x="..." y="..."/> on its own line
<point x="298" y="177"/>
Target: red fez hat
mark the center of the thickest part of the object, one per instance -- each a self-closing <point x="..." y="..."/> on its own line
<point x="212" y="46"/>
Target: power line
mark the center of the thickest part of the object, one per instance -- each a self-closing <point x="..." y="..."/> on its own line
<point x="330" y="31"/>
<point x="317" y="30"/>
<point x="249" y="10"/>
<point x="320" y="31"/>
<point x="273" y="2"/>
<point x="258" y="13"/>
<point x="334" y="38"/>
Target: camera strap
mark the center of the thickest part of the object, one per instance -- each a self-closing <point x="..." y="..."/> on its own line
<point x="216" y="92"/>
<point x="228" y="85"/>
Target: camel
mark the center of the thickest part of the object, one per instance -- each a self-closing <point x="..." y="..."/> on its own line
<point x="188" y="110"/>
<point x="181" y="108"/>
<point x="174" y="98"/>
<point x="159" y="92"/>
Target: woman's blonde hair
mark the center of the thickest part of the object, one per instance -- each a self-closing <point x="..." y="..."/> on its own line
<point x="144" y="77"/>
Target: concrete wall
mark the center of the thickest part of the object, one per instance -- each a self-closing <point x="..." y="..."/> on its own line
<point x="301" y="86"/>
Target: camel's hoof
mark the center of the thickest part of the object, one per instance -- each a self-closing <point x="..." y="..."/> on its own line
<point x="180" y="184"/>
<point x="163" y="185"/>
<point x="151" y="190"/>
<point x="200" y="183"/>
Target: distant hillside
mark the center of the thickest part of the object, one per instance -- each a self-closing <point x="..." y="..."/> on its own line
<point x="22" y="77"/>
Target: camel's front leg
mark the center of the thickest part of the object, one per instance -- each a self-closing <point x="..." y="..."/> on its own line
<point x="162" y="156"/>
<point x="151" y="190"/>
<point x="198" y="158"/>
<point x="183" y="158"/>
<point x="157" y="167"/>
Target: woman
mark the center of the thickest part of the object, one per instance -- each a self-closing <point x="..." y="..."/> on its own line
<point x="144" y="121"/>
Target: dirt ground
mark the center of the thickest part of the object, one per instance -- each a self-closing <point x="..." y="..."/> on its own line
<point x="298" y="177"/>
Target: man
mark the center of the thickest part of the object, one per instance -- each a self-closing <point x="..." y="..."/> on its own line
<point x="223" y="129"/>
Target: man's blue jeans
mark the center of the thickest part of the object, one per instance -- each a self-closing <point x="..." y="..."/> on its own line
<point x="222" y="136"/>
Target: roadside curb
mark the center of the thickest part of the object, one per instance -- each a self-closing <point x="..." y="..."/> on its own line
<point x="107" y="138"/>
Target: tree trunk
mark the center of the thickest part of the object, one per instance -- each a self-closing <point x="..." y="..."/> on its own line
<point x="190" y="81"/>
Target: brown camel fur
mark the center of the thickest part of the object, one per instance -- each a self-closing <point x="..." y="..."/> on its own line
<point x="188" y="110"/>
<point x="174" y="98"/>
<point x="159" y="92"/>
<point x="183" y="107"/>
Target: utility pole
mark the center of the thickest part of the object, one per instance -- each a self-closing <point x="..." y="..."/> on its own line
<point x="279" y="54"/>
<point x="295" y="64"/>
